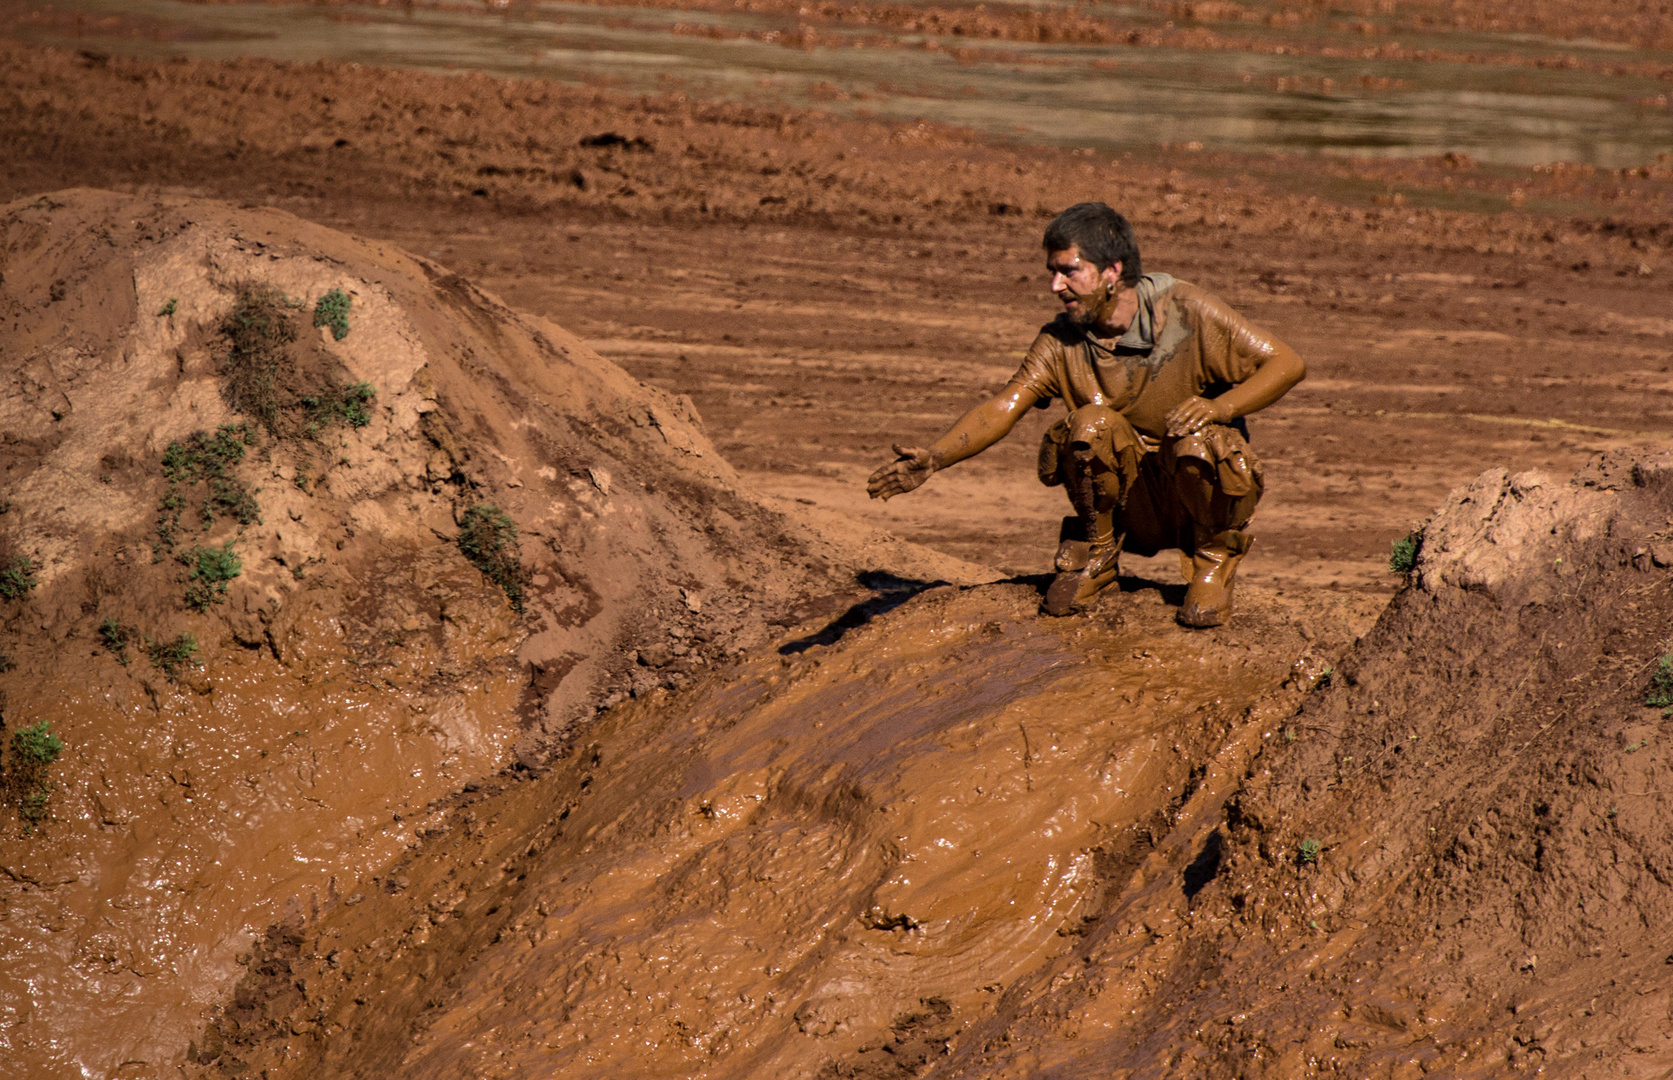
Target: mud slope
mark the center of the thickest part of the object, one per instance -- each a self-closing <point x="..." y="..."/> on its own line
<point x="1453" y="862"/>
<point x="826" y="864"/>
<point x="257" y="630"/>
<point x="965" y="843"/>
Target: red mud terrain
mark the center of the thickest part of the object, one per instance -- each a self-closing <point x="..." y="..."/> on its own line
<point x="740" y="790"/>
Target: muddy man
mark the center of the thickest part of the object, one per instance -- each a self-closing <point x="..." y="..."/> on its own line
<point x="1157" y="376"/>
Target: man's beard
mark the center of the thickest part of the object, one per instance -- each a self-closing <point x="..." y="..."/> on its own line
<point x="1094" y="306"/>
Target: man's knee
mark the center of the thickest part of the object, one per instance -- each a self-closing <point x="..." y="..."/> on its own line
<point x="1100" y="430"/>
<point x="1217" y="495"/>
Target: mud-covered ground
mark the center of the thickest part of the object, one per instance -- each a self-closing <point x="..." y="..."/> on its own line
<point x="822" y="288"/>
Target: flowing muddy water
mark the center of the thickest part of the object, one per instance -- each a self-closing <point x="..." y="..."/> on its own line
<point x="1251" y="99"/>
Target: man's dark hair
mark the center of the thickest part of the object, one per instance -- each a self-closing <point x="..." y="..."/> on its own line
<point x="1103" y="237"/>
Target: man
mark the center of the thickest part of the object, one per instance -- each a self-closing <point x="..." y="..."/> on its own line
<point x="1157" y="376"/>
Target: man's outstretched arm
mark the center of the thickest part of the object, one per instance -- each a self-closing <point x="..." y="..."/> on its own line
<point x="974" y="432"/>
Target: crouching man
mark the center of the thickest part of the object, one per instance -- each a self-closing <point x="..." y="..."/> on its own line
<point x="1157" y="376"/>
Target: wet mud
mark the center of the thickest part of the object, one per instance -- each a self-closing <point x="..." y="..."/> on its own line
<point x="811" y="865"/>
<point x="246" y="747"/>
<point x="298" y="857"/>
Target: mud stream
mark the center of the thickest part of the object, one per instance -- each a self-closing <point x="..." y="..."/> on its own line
<point x="1259" y="98"/>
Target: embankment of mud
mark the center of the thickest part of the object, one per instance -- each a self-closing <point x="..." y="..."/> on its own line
<point x="965" y="843"/>
<point x="277" y="585"/>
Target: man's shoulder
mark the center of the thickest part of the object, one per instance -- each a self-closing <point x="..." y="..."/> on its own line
<point x="1061" y="332"/>
<point x="1199" y="301"/>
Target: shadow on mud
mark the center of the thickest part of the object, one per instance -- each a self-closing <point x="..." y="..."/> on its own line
<point x="888" y="592"/>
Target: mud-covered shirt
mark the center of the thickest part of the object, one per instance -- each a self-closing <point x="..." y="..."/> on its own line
<point x="1195" y="346"/>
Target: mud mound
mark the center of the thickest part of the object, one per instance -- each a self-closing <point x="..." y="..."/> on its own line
<point x="1455" y="860"/>
<point x="299" y="533"/>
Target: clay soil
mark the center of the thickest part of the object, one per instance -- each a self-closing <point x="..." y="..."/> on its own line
<point x="821" y="289"/>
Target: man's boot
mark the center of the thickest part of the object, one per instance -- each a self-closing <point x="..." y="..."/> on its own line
<point x="1092" y="566"/>
<point x="1208" y="599"/>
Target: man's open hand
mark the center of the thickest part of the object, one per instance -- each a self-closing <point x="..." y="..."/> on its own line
<point x="906" y="472"/>
<point x="1192" y="415"/>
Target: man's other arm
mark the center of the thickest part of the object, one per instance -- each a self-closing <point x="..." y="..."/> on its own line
<point x="1277" y="369"/>
<point x="974" y="432"/>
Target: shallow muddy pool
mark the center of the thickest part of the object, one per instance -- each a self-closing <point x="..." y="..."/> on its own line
<point x="1505" y="109"/>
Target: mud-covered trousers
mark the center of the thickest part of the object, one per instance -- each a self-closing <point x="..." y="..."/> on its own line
<point x="1173" y="493"/>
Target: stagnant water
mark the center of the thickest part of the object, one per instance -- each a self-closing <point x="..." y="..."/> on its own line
<point x="1095" y="96"/>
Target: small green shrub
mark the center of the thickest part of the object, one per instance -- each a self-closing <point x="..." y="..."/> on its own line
<point x="116" y="638"/>
<point x="1402" y="558"/>
<point x="18" y="578"/>
<point x="1661" y="685"/>
<point x="211" y="569"/>
<point x="206" y="459"/>
<point x="36" y="744"/>
<point x="169" y="308"/>
<point x="345" y="403"/>
<point x="333" y="311"/>
<point x="170" y="656"/>
<point x="34" y="749"/>
<point x="488" y="538"/>
<point x="1309" y="851"/>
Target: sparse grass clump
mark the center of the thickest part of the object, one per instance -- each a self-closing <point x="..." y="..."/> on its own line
<point x="333" y="311"/>
<point x="116" y="638"/>
<point x="1309" y="852"/>
<point x="18" y="577"/>
<point x="34" y="749"/>
<point x="1402" y="558"/>
<point x="170" y="656"/>
<point x="210" y="570"/>
<point x="205" y="459"/>
<point x="258" y="328"/>
<point x="488" y="538"/>
<point x="169" y="308"/>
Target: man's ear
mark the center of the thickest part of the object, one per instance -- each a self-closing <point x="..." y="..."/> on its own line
<point x="1115" y="269"/>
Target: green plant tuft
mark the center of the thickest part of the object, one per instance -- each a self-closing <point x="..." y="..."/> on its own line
<point x="18" y="578"/>
<point x="169" y="308"/>
<point x="488" y="538"/>
<point x="34" y="749"/>
<point x="205" y="459"/>
<point x="1661" y="685"/>
<point x="345" y="403"/>
<point x="333" y="311"/>
<point x="1402" y="557"/>
<point x="116" y="638"/>
<point x="211" y="569"/>
<point x="170" y="656"/>
<point x="1309" y="851"/>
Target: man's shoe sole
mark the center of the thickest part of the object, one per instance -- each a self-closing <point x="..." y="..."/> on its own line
<point x="1069" y="592"/>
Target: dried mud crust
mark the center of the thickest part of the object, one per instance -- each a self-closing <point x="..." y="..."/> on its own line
<point x="776" y="871"/>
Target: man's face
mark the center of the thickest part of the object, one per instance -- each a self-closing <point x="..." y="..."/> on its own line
<point x="1086" y="292"/>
